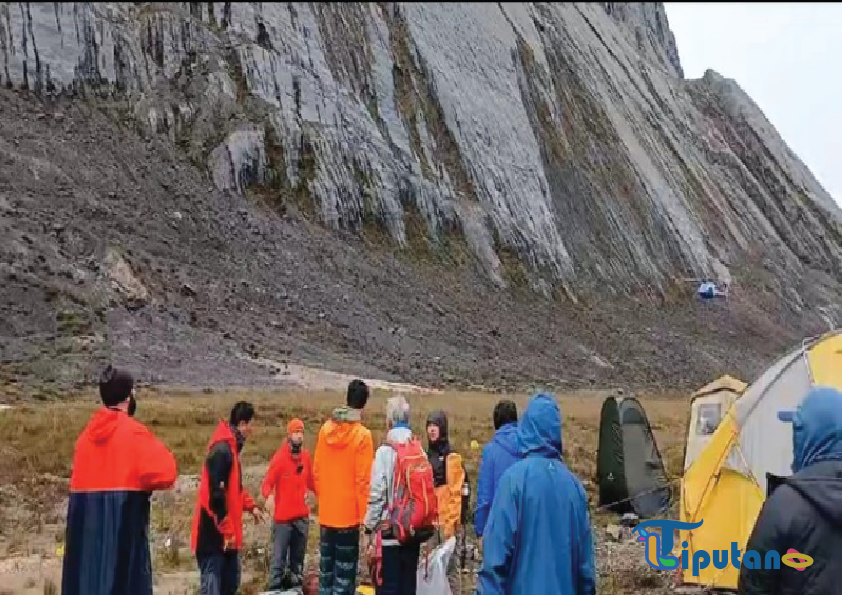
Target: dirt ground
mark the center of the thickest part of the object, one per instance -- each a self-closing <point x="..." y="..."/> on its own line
<point x="36" y="453"/>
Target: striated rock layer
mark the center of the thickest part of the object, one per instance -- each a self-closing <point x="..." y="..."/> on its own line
<point x="556" y="144"/>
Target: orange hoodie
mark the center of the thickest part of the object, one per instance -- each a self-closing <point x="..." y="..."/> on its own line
<point x="342" y="469"/>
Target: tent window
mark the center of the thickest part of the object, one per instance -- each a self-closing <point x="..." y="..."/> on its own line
<point x="710" y="415"/>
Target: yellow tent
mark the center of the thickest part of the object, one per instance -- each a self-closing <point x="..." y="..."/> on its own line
<point x="725" y="484"/>
<point x="708" y="406"/>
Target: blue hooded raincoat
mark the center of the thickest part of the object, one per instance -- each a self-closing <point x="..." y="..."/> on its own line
<point x="538" y="538"/>
<point x="497" y="456"/>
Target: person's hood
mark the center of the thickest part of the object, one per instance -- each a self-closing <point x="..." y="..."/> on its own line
<point x="442" y="444"/>
<point x="506" y="438"/>
<point x="223" y="432"/>
<point x="343" y="428"/>
<point x="104" y="423"/>
<point x="539" y="430"/>
<point x="821" y="485"/>
<point x="817" y="428"/>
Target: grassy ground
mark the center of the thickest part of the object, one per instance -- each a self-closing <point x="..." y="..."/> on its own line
<point x="38" y="440"/>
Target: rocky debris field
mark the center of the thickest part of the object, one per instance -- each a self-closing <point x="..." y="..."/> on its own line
<point x="115" y="247"/>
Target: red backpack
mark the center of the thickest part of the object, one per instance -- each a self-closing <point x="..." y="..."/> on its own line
<point x="414" y="511"/>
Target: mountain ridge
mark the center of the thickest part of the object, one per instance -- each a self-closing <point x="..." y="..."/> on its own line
<point x="545" y="149"/>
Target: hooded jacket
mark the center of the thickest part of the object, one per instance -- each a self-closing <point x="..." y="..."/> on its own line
<point x="221" y="497"/>
<point x="342" y="469"/>
<point x="289" y="477"/>
<point x="538" y="537"/>
<point x="116" y="465"/>
<point x="449" y="477"/>
<point x="497" y="456"/>
<point x="804" y="512"/>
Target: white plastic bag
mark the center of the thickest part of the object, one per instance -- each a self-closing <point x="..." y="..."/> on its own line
<point x="432" y="572"/>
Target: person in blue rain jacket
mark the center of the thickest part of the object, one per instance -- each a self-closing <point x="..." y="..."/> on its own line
<point x="538" y="538"/>
<point x="497" y="456"/>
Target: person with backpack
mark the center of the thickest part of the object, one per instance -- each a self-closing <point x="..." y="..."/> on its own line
<point x="402" y="511"/>
<point x="287" y="481"/>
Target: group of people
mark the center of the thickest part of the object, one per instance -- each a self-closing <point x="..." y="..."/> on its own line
<point x="531" y="514"/>
<point x="527" y="501"/>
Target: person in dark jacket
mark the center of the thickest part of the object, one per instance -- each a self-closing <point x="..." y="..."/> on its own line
<point x="804" y="512"/>
<point x="117" y="464"/>
<point x="452" y="486"/>
<point x="217" y="536"/>
<point x="497" y="456"/>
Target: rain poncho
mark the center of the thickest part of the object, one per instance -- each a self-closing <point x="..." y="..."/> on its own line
<point x="116" y="466"/>
<point x="538" y="538"/>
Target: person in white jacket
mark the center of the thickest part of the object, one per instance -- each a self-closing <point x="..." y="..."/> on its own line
<point x="399" y="563"/>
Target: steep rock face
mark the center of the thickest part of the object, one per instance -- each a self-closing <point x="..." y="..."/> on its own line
<point x="561" y="137"/>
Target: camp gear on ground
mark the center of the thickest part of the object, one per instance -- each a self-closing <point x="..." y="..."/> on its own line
<point x="726" y="484"/>
<point x="803" y="513"/>
<point x="342" y="469"/>
<point x="116" y="464"/>
<point x="538" y="537"/>
<point x="431" y="575"/>
<point x="497" y="456"/>
<point x="629" y="468"/>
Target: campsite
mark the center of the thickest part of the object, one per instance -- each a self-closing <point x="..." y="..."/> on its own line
<point x="701" y="456"/>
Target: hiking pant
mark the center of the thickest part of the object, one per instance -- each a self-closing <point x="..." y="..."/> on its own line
<point x="339" y="554"/>
<point x="289" y="546"/>
<point x="399" y="569"/>
<point x="219" y="573"/>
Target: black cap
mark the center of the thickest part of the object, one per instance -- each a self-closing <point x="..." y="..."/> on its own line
<point x="115" y="386"/>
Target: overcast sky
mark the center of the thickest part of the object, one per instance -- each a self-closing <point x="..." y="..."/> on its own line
<point x="787" y="58"/>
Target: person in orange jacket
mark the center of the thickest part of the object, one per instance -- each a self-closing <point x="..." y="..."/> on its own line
<point x="452" y="485"/>
<point x="287" y="481"/>
<point x="117" y="464"/>
<point x="217" y="536"/>
<point x="342" y="474"/>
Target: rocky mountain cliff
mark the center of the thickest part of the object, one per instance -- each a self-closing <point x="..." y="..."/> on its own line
<point x="554" y="148"/>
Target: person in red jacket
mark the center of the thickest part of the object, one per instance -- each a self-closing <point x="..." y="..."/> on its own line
<point x="117" y="464"/>
<point x="287" y="481"/>
<point x="217" y="536"/>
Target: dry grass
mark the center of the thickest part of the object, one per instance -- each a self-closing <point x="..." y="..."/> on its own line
<point x="37" y="450"/>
